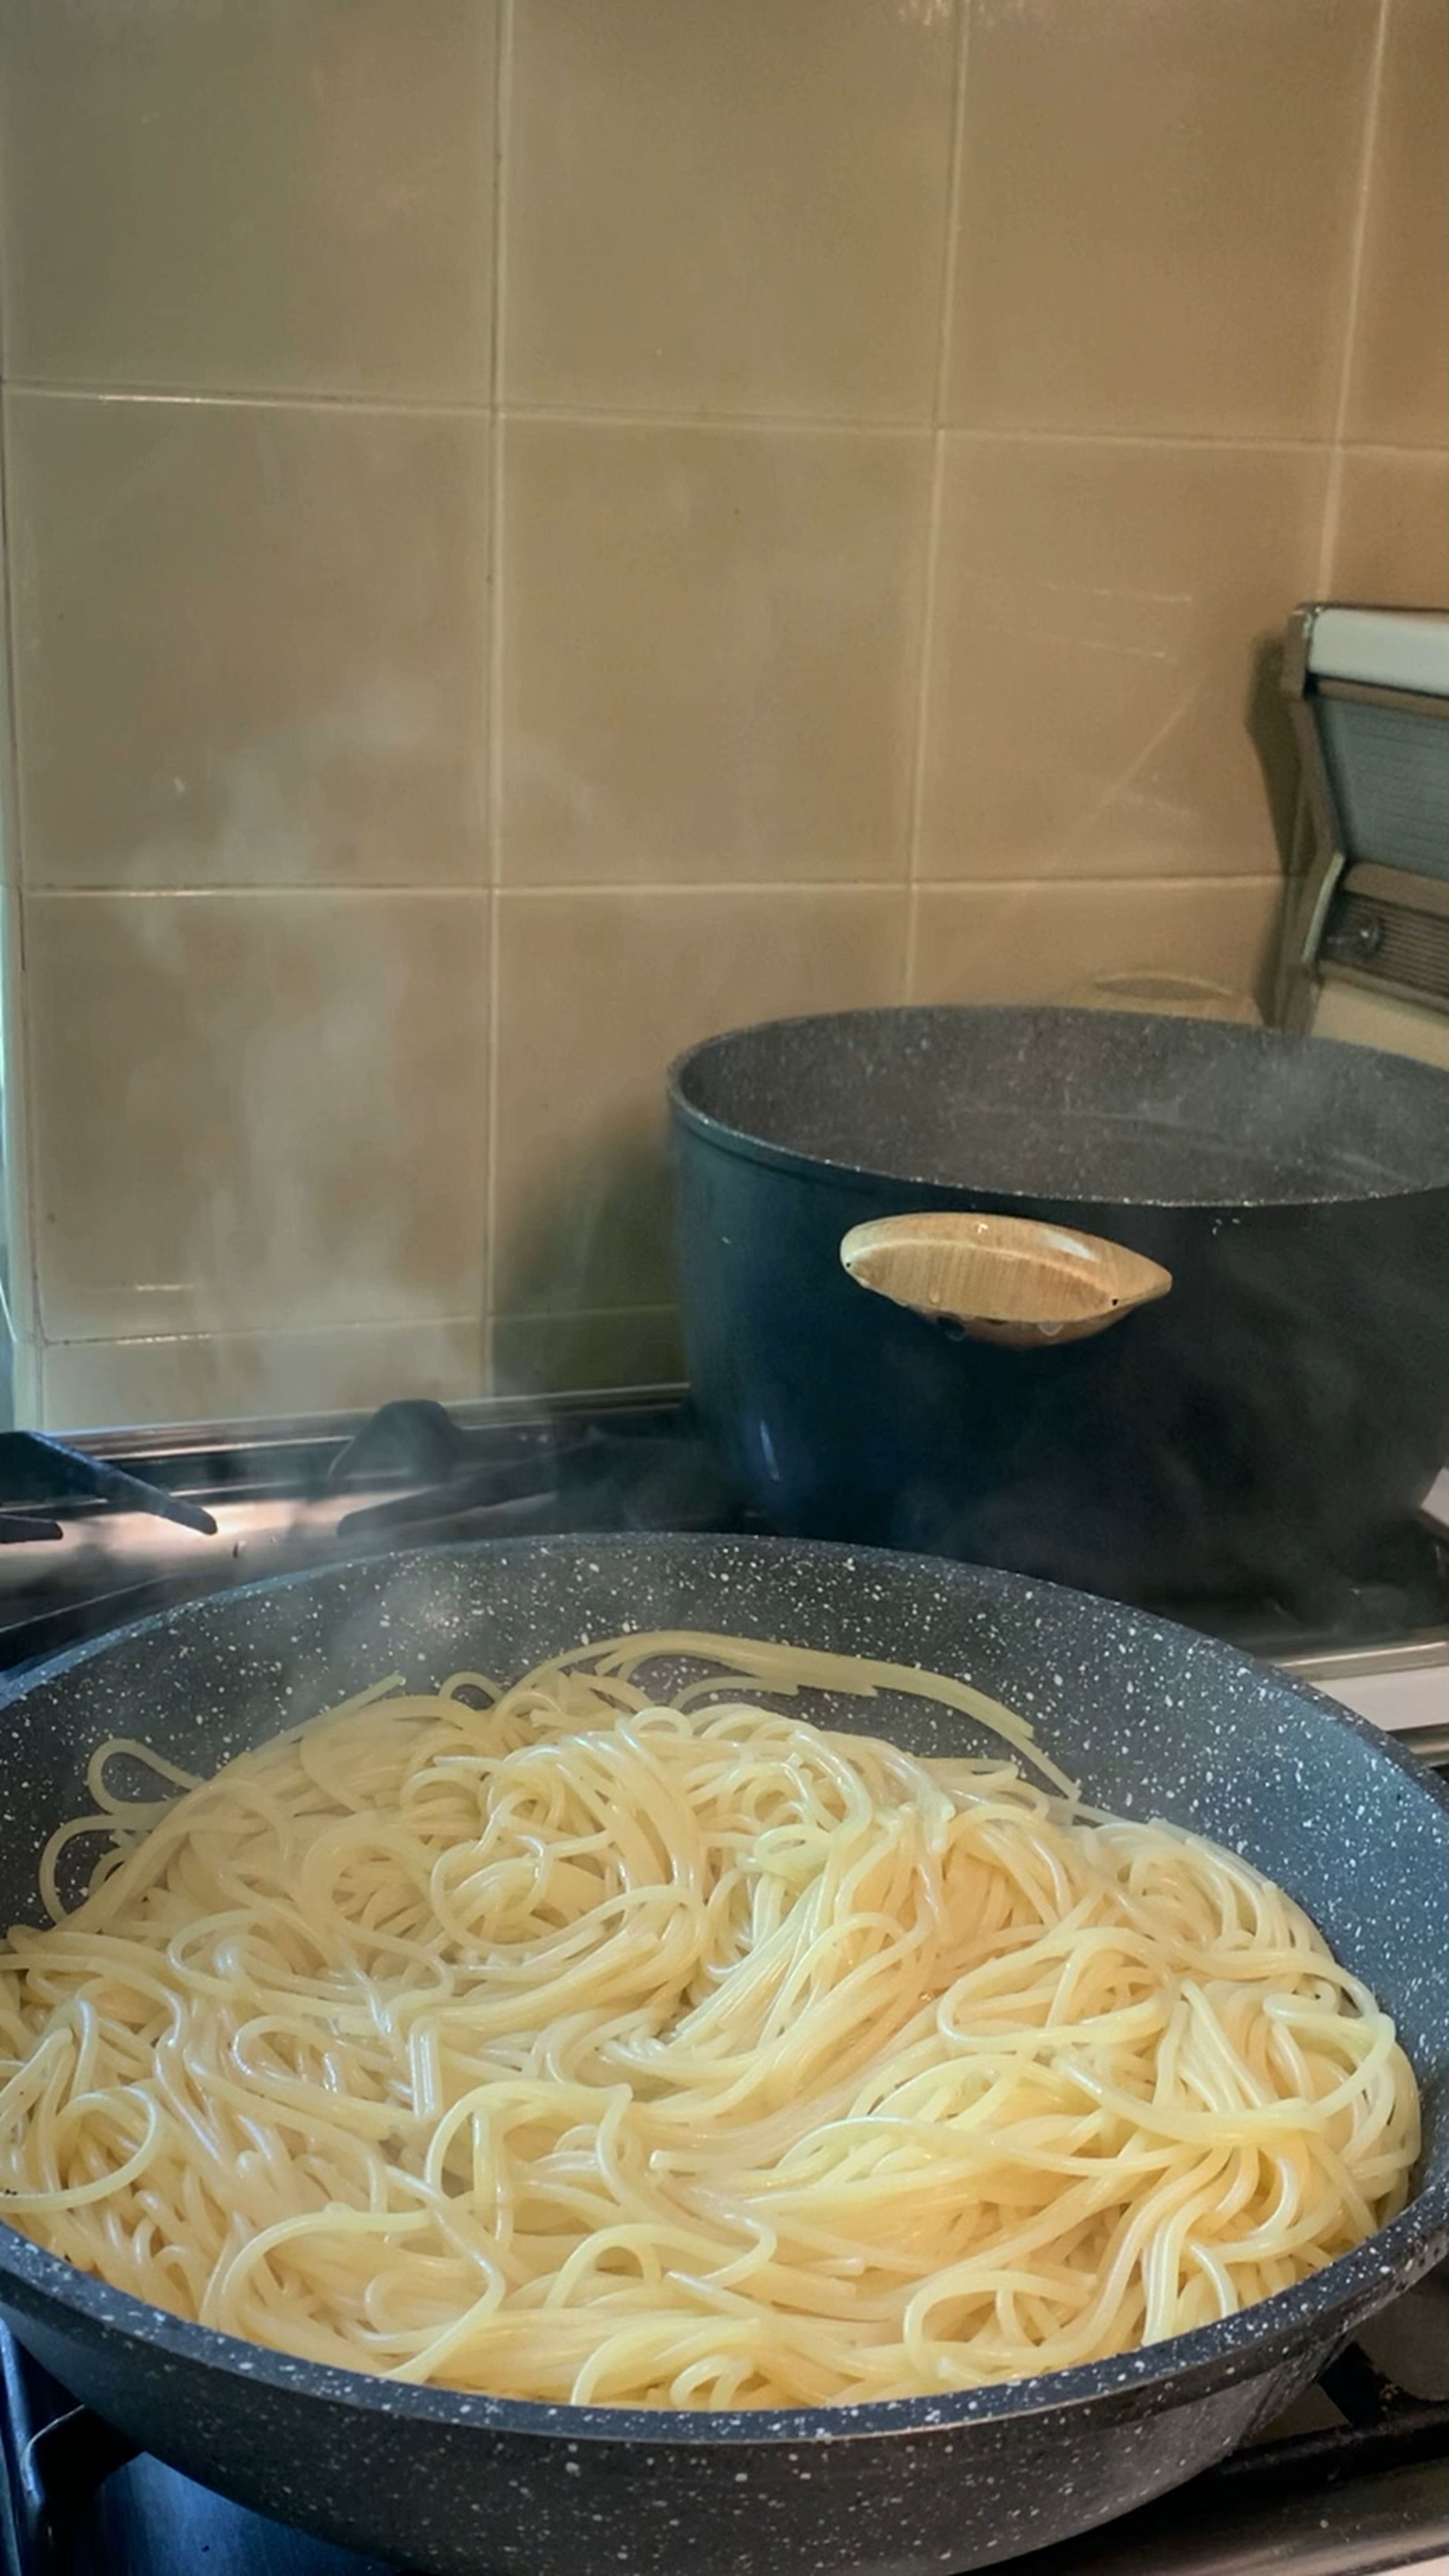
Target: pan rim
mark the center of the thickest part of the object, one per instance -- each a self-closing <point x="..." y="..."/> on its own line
<point x="826" y="1168"/>
<point x="1245" y="2346"/>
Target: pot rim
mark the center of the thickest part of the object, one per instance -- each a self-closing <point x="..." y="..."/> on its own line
<point x="749" y="1147"/>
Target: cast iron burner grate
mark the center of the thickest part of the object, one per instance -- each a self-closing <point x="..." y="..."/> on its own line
<point x="1367" y="2489"/>
<point x="584" y="1474"/>
<point x="166" y="1521"/>
<point x="35" y="1470"/>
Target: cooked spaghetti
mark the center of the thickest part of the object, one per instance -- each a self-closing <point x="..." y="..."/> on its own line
<point x="582" y="2041"/>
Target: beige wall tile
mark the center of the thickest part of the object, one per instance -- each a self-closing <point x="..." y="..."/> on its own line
<point x="598" y="993"/>
<point x="728" y="208"/>
<point x="242" y="1377"/>
<point x="1400" y="391"/>
<point x="250" y="642"/>
<point x="1156" y="213"/>
<point x="26" y="1402"/>
<point x="554" y="1354"/>
<point x="250" y="196"/>
<point x="710" y="651"/>
<point x="256" y="1110"/>
<point x="1099" y="606"/>
<point x="17" y="1267"/>
<point x="1038" y="943"/>
<point x="1393" y="531"/>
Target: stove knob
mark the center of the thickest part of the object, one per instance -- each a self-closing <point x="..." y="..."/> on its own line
<point x="1353" y="943"/>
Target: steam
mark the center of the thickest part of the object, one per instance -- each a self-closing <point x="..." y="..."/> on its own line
<point x="291" y="1087"/>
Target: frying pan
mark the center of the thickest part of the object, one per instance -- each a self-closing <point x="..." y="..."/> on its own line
<point x="1269" y="1421"/>
<point x="1155" y="1721"/>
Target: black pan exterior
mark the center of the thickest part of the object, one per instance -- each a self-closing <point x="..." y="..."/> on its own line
<point x="1155" y="1721"/>
<point x="1272" y="1418"/>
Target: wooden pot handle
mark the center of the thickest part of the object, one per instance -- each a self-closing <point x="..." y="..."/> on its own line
<point x="1002" y="1278"/>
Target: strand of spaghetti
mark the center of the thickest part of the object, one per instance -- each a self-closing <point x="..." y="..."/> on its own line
<point x="129" y="1748"/>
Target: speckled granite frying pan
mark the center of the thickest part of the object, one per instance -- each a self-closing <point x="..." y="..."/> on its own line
<point x="1155" y="1722"/>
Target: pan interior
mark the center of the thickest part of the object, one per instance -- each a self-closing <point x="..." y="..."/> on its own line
<point x="1153" y="1720"/>
<point x="1079" y="1106"/>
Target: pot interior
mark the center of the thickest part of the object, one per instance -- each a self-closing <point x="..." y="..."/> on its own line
<point x="1078" y="1106"/>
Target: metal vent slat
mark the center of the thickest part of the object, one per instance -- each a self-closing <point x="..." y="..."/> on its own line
<point x="1390" y="776"/>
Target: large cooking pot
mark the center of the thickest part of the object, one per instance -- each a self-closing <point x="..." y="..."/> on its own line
<point x="1155" y="1721"/>
<point x="1265" y="1422"/>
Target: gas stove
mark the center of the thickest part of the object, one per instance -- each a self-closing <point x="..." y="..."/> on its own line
<point x="138" y="1520"/>
<point x="1354" y="2481"/>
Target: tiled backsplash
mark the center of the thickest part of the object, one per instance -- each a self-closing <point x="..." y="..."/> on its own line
<point x="540" y="528"/>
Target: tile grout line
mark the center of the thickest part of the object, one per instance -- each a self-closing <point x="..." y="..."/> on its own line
<point x="1333" y="495"/>
<point x="249" y="890"/>
<point x="1387" y="447"/>
<point x="583" y="1314"/>
<point x="581" y="889"/>
<point x="536" y="415"/>
<point x="944" y="334"/>
<point x="212" y="1336"/>
<point x="19" y="1136"/>
<point x="571" y="889"/>
<point x="723" y="423"/>
<point x="157" y="397"/>
<point x="925" y="659"/>
<point x="461" y="406"/>
<point x="924" y="664"/>
<point x="502" y="102"/>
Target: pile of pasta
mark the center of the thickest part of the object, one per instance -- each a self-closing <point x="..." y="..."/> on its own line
<point x="594" y="2041"/>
